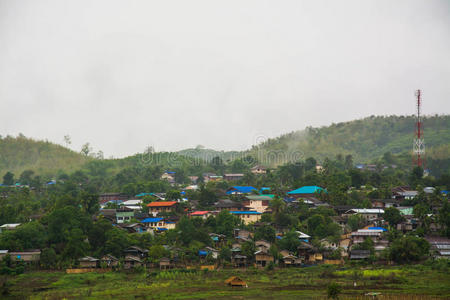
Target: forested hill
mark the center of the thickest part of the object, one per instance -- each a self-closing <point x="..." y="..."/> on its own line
<point x="366" y="139"/>
<point x="18" y="154"/>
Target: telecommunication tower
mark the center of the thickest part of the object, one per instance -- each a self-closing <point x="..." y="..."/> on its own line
<point x="419" y="143"/>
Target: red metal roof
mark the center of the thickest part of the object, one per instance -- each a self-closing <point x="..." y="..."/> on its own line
<point x="161" y="203"/>
<point x="199" y="213"/>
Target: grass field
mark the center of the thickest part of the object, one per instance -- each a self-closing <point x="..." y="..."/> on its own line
<point x="412" y="282"/>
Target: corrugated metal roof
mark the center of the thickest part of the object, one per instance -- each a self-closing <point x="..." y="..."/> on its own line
<point x="307" y="190"/>
<point x="161" y="203"/>
<point x="241" y="189"/>
<point x="245" y="213"/>
<point x="151" y="220"/>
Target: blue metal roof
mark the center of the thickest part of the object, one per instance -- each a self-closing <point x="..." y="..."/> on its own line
<point x="307" y="190"/>
<point x="144" y="194"/>
<point x="241" y="189"/>
<point x="151" y="220"/>
<point x="202" y="253"/>
<point x="245" y="213"/>
<point x="378" y="228"/>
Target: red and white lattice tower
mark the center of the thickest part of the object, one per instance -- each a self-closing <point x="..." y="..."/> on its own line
<point x="419" y="143"/>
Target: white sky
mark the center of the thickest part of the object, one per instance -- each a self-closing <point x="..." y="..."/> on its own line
<point x="124" y="75"/>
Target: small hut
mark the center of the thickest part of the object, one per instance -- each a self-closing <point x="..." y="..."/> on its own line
<point x="88" y="262"/>
<point x="236" y="281"/>
<point x="109" y="260"/>
<point x="165" y="263"/>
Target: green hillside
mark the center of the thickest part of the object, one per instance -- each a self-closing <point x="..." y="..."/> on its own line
<point x="366" y="140"/>
<point x="20" y="153"/>
<point x="208" y="154"/>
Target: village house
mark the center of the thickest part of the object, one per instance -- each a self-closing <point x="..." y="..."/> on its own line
<point x="89" y="262"/>
<point x="134" y="204"/>
<point x="218" y="239"/>
<point x="303" y="236"/>
<point x="344" y="245"/>
<point x="136" y="251"/>
<point x="259" y="203"/>
<point x="233" y="176"/>
<point x="28" y="256"/>
<point x="161" y="207"/>
<point x="369" y="214"/>
<point x="204" y="214"/>
<point x="131" y="262"/>
<point x="241" y="190"/>
<point x="291" y="260"/>
<point x="169" y="176"/>
<point x="109" y="214"/>
<point x="109" y="261"/>
<point x="239" y="261"/>
<point x="409" y="224"/>
<point x="403" y="193"/>
<point x="359" y="254"/>
<point x="257" y="170"/>
<point x="242" y="233"/>
<point x="112" y="197"/>
<point x="3" y="253"/>
<point x="214" y="252"/>
<point x="230" y="205"/>
<point x="384" y="203"/>
<point x="165" y="263"/>
<point x="306" y="191"/>
<point x="211" y="177"/>
<point x="11" y="226"/>
<point x="262" y="245"/>
<point x="362" y="234"/>
<point x="439" y="247"/>
<point x="124" y="215"/>
<point x="159" y="224"/>
<point x="263" y="258"/>
<point x="247" y="216"/>
<point x="328" y="244"/>
<point x="132" y="227"/>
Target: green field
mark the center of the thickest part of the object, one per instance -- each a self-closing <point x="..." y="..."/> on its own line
<point x="412" y="282"/>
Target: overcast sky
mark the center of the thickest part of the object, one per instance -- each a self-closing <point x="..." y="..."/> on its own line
<point x="124" y="75"/>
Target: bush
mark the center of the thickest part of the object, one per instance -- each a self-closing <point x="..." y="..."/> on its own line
<point x="333" y="290"/>
<point x="270" y="266"/>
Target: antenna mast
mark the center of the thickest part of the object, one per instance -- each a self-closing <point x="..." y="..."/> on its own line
<point x="419" y="143"/>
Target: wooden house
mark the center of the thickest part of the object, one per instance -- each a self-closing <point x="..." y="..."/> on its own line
<point x="109" y="261"/>
<point x="28" y="256"/>
<point x="165" y="263"/>
<point x="263" y="258"/>
<point x="362" y="234"/>
<point x="239" y="261"/>
<point x="230" y="205"/>
<point x="89" y="262"/>
<point x="136" y="251"/>
<point x="359" y="254"/>
<point x="233" y="177"/>
<point x="262" y="245"/>
<point x="131" y="262"/>
<point x="161" y="207"/>
<point x="291" y="260"/>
